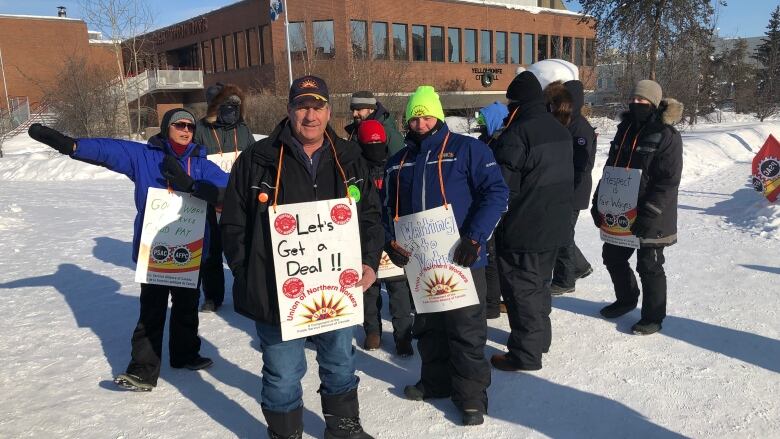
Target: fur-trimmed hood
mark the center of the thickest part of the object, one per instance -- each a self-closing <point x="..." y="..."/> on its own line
<point x="227" y="91"/>
<point x="669" y="112"/>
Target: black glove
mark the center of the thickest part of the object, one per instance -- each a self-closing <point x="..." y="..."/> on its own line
<point x="643" y="224"/>
<point x="172" y="170"/>
<point x="594" y="212"/>
<point x="52" y="137"/>
<point x="466" y="253"/>
<point x="397" y="254"/>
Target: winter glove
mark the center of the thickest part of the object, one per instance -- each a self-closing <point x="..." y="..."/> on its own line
<point x="173" y="172"/>
<point x="466" y="253"/>
<point x="55" y="139"/>
<point x="643" y="224"/>
<point x="397" y="254"/>
<point x="594" y="212"/>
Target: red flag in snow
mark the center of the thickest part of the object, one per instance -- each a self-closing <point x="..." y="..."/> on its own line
<point x="766" y="169"/>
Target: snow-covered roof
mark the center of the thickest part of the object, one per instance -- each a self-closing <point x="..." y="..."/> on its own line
<point x="40" y="17"/>
<point x="522" y="5"/>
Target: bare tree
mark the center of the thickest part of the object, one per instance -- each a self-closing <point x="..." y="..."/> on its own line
<point x="120" y="21"/>
<point x="86" y="101"/>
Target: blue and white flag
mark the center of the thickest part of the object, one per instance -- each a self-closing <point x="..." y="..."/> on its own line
<point x="277" y="9"/>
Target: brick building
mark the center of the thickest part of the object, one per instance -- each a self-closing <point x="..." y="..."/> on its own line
<point x="34" y="49"/>
<point x="387" y="47"/>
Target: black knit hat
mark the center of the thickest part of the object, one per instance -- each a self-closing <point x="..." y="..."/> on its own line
<point x="524" y="89"/>
<point x="213" y="91"/>
<point x="361" y="100"/>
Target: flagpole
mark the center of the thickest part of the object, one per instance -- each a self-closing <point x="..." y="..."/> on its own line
<point x="287" y="34"/>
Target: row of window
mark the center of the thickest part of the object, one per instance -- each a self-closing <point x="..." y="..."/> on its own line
<point x="250" y="47"/>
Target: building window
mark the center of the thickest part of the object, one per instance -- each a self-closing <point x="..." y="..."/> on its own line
<point x="528" y="49"/>
<point x="400" y="42"/>
<point x="486" y="47"/>
<point x="253" y="47"/>
<point x="419" y="49"/>
<point x="567" y="48"/>
<point x="500" y="47"/>
<point x="219" y="54"/>
<point x="208" y="57"/>
<point x="453" y="44"/>
<point x="541" y="47"/>
<point x="555" y="46"/>
<point x="265" y="44"/>
<point x="230" y="52"/>
<point x="359" y="31"/>
<point x="298" y="40"/>
<point x="241" y="50"/>
<point x="379" y="34"/>
<point x="590" y="52"/>
<point x="323" y="39"/>
<point x="437" y="44"/>
<point x="578" y="47"/>
<point x="470" y="45"/>
<point x="514" y="48"/>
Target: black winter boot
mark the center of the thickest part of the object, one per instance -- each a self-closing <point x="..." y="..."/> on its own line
<point x="284" y="425"/>
<point x="342" y="416"/>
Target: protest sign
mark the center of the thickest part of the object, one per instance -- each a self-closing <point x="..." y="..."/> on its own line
<point x="317" y="262"/>
<point x="224" y="160"/>
<point x="171" y="239"/>
<point x="437" y="283"/>
<point x="766" y="169"/>
<point x="618" y="193"/>
<point x="387" y="269"/>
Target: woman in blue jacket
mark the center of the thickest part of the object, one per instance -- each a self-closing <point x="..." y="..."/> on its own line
<point x="159" y="164"/>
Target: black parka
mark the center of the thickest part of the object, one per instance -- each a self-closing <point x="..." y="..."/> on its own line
<point x="535" y="156"/>
<point x="658" y="153"/>
<point x="245" y="229"/>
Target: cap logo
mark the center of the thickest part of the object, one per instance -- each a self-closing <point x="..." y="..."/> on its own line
<point x="420" y="110"/>
<point x="308" y="83"/>
<point x="376" y="137"/>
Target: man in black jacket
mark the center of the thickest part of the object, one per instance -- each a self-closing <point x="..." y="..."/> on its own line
<point x="535" y="155"/>
<point x="570" y="264"/>
<point x="302" y="160"/>
<point x="223" y="130"/>
<point x="646" y="140"/>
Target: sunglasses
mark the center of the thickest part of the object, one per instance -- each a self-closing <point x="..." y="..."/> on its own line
<point x="181" y="126"/>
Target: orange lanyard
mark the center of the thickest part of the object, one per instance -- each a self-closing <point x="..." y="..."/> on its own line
<point x="441" y="179"/>
<point x="633" y="146"/>
<point x="189" y="169"/>
<point x="219" y="144"/>
<point x="279" y="171"/>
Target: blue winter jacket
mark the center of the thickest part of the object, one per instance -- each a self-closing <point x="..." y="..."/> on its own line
<point x="142" y="163"/>
<point x="473" y="185"/>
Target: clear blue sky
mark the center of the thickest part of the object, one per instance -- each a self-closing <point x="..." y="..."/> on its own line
<point x="741" y="18"/>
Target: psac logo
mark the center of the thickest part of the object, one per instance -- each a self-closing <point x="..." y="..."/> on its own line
<point x="419" y="110"/>
<point x="179" y="255"/>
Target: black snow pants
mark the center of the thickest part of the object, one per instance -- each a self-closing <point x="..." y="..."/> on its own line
<point x="650" y="266"/>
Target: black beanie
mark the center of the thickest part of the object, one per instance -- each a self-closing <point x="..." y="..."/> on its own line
<point x="524" y="89"/>
<point x="213" y="91"/>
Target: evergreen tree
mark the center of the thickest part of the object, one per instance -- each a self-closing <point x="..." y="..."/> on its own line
<point x="768" y="75"/>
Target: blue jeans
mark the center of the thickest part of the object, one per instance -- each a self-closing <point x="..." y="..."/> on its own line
<point x="284" y="365"/>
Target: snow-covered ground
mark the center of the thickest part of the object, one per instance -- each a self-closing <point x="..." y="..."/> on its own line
<point x="69" y="305"/>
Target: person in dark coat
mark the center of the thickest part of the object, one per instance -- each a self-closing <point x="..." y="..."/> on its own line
<point x="373" y="142"/>
<point x="169" y="160"/>
<point x="364" y="106"/>
<point x="566" y="101"/>
<point x="221" y="131"/>
<point x="451" y="343"/>
<point x="302" y="160"/>
<point x="535" y="155"/>
<point x="646" y="139"/>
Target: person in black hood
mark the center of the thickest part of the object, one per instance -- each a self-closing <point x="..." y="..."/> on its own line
<point x="222" y="131"/>
<point x="364" y="106"/>
<point x="565" y="101"/>
<point x="535" y="155"/>
<point x="646" y="139"/>
<point x="302" y="160"/>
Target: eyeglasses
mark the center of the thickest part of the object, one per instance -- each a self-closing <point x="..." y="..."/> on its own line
<point x="181" y="126"/>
